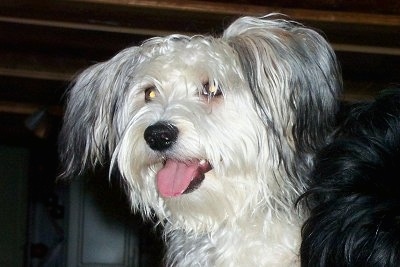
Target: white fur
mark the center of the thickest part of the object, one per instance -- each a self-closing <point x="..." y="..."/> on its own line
<point x="280" y="84"/>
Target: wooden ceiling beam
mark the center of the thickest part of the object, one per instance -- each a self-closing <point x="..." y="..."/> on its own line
<point x="27" y="108"/>
<point x="234" y="9"/>
<point x="36" y="74"/>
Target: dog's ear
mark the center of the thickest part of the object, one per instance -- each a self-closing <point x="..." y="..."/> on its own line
<point x="88" y="134"/>
<point x="293" y="75"/>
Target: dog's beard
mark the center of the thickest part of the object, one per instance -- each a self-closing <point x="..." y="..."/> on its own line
<point x="229" y="173"/>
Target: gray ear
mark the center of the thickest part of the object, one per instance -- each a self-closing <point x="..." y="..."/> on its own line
<point x="87" y="135"/>
<point x="293" y="73"/>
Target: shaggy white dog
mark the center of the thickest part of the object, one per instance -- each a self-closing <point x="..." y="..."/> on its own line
<point x="214" y="137"/>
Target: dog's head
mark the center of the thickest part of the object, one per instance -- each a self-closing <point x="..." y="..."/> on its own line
<point x="202" y="128"/>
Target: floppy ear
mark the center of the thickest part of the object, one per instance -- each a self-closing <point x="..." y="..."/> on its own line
<point x="87" y="135"/>
<point x="293" y="75"/>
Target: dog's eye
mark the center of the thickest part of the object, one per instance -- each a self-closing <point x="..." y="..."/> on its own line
<point x="211" y="90"/>
<point x="150" y="93"/>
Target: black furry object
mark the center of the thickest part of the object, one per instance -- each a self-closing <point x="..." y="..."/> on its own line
<point x="355" y="196"/>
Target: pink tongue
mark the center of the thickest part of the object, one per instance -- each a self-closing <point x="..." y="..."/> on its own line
<point x="175" y="177"/>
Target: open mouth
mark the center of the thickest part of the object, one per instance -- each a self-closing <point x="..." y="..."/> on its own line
<point x="179" y="177"/>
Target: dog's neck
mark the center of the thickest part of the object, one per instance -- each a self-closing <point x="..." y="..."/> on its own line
<point x="278" y="245"/>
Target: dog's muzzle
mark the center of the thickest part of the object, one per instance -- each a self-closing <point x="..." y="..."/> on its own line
<point x="161" y="135"/>
<point x="176" y="177"/>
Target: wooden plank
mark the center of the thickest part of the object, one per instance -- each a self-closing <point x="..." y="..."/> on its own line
<point x="27" y="108"/>
<point x="84" y="26"/>
<point x="394" y="51"/>
<point x="36" y="74"/>
<point x="235" y="9"/>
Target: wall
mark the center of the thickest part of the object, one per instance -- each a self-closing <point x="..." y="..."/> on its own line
<point x="14" y="163"/>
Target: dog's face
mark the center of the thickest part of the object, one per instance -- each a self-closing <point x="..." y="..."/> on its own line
<point x="203" y="129"/>
<point x="184" y="131"/>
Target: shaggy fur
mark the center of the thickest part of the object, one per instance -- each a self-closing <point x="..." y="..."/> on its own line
<point x="355" y="216"/>
<point x="214" y="136"/>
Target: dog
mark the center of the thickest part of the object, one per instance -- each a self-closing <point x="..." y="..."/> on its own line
<point x="355" y="197"/>
<point x="214" y="137"/>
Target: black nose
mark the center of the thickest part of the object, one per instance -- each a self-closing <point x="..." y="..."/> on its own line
<point x="161" y="136"/>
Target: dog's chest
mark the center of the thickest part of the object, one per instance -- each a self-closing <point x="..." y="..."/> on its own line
<point x="242" y="245"/>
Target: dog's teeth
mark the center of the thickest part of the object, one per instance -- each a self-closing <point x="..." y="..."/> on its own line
<point x="203" y="161"/>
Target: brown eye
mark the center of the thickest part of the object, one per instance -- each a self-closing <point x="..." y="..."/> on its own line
<point x="150" y="93"/>
<point x="211" y="89"/>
